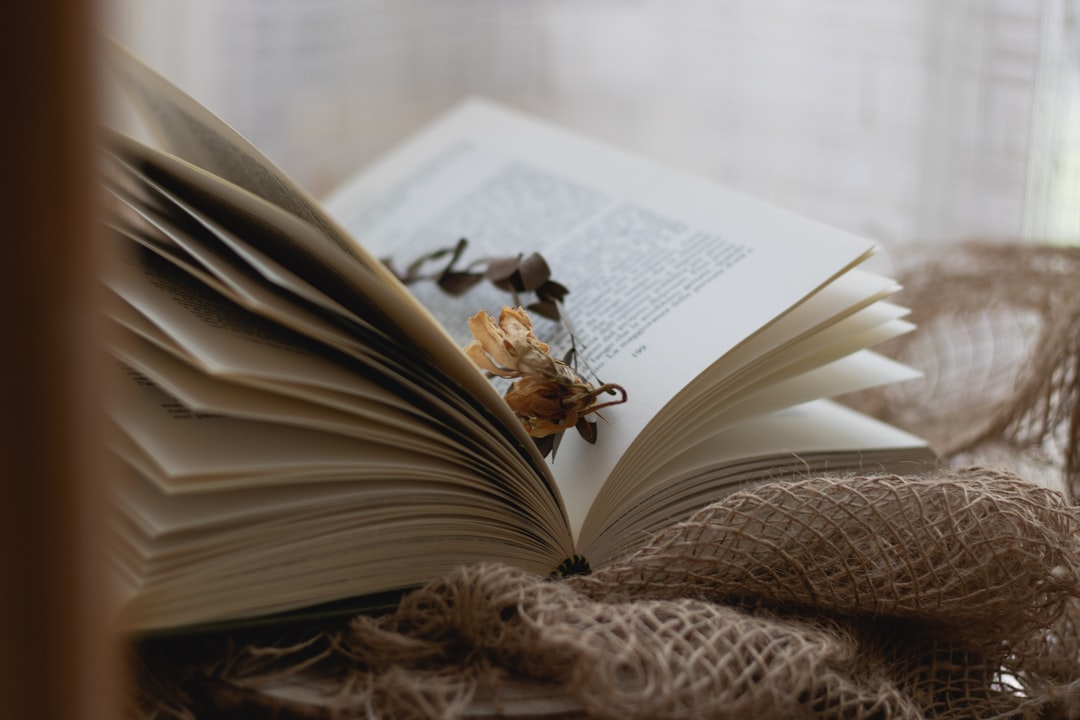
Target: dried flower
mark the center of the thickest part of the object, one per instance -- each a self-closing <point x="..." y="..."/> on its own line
<point x="549" y="396"/>
<point x="508" y="349"/>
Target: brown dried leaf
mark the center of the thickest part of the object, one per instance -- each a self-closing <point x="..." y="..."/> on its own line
<point x="501" y="270"/>
<point x="552" y="291"/>
<point x="549" y="310"/>
<point x="547" y="444"/>
<point x="533" y="271"/>
<point x="587" y="430"/>
<point x="458" y="283"/>
<point x="413" y="271"/>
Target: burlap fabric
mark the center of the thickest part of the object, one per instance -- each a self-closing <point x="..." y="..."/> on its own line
<point x="999" y="343"/>
<point x="950" y="595"/>
<point x="953" y="596"/>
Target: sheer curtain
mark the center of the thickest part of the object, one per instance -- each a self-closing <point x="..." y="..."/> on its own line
<point x="907" y="121"/>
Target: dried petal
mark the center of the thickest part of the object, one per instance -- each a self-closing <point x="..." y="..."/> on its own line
<point x="476" y="353"/>
<point x="510" y="347"/>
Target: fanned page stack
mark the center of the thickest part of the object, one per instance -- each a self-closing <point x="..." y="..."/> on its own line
<point x="297" y="427"/>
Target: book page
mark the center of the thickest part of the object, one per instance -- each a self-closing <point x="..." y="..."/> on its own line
<point x="403" y="330"/>
<point x="224" y="340"/>
<point x="217" y="152"/>
<point x="188" y="130"/>
<point x="374" y="419"/>
<point x="134" y="221"/>
<point x="815" y="437"/>
<point x="239" y="452"/>
<point x="666" y="273"/>
<point x="842" y="318"/>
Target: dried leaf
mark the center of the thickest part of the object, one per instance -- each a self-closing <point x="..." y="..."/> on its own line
<point x="458" y="283"/>
<point x="552" y="291"/>
<point x="501" y="270"/>
<point x="545" y="309"/>
<point x="519" y="274"/>
<point x="587" y="430"/>
<point x="547" y="445"/>
<point x="533" y="271"/>
<point x="414" y="270"/>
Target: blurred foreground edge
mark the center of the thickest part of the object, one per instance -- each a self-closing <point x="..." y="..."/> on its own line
<point x="57" y="657"/>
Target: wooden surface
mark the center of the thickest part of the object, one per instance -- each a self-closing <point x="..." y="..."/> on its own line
<point x="54" y="647"/>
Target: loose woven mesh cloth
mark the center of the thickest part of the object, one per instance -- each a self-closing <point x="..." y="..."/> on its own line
<point x="954" y="594"/>
<point x="998" y="341"/>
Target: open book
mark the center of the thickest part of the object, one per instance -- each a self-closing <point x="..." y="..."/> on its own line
<point x="297" y="427"/>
